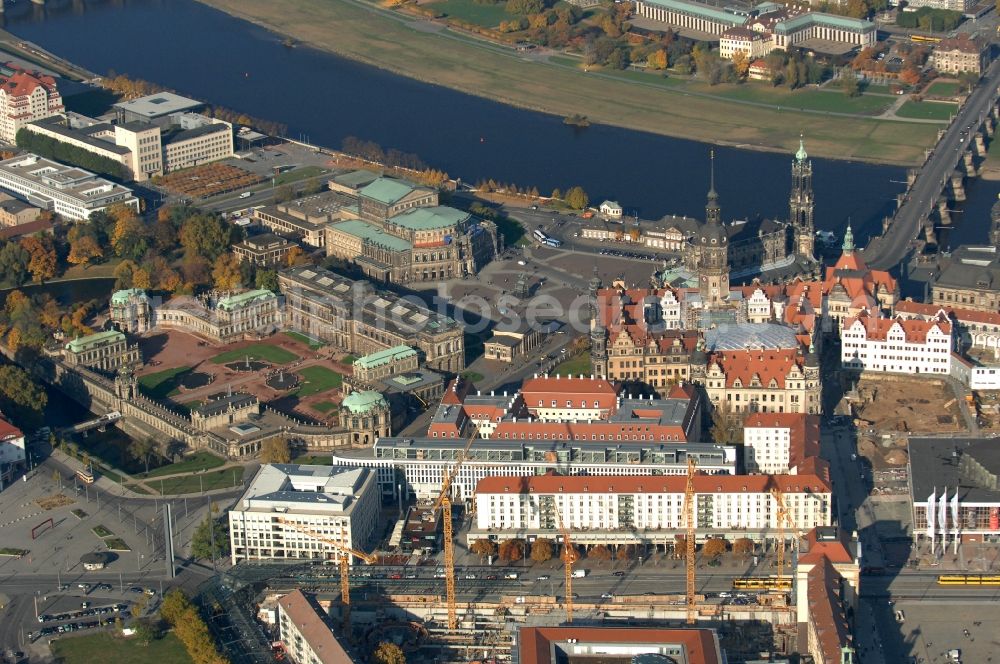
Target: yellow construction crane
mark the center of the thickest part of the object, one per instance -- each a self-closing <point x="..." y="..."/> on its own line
<point x="344" y="561"/>
<point x="783" y="518"/>
<point x="689" y="518"/>
<point x="443" y="503"/>
<point x="569" y="557"/>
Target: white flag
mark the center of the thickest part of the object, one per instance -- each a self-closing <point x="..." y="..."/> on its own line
<point x="931" y="504"/>
<point x="956" y="523"/>
<point x="943" y="513"/>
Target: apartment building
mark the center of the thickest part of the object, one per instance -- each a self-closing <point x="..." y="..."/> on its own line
<point x="25" y="96"/>
<point x="360" y="319"/>
<point x="972" y="329"/>
<point x="264" y="250"/>
<point x="288" y="510"/>
<point x="777" y="443"/>
<point x="621" y="509"/>
<point x="897" y="345"/>
<point x="107" y="351"/>
<point x="306" y="637"/>
<point x="70" y="192"/>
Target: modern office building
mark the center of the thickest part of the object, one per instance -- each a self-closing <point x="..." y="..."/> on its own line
<point x="70" y="192"/>
<point x="288" y="510"/>
<point x="25" y="96"/>
<point x="155" y="109"/>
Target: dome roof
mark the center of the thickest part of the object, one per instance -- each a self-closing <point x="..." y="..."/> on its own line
<point x="712" y="235"/>
<point x="364" y="401"/>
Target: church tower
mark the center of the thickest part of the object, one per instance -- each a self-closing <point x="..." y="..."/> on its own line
<point x="598" y="333"/>
<point x="712" y="244"/>
<point x="800" y="204"/>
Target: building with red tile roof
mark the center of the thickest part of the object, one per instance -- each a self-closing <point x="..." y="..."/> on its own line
<point x="779" y="380"/>
<point x="25" y="96"/>
<point x="779" y="442"/>
<point x="616" y="645"/>
<point x="850" y="285"/>
<point x="827" y="586"/>
<point x="562" y="398"/>
<point x="897" y="345"/>
<point x="621" y="509"/>
<point x="973" y="328"/>
<point x="12" y="451"/>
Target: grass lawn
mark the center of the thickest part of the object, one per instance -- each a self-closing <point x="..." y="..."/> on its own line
<point x="927" y="110"/>
<point x="318" y="379"/>
<point x="349" y="359"/>
<point x="102" y="531"/>
<point x="812" y="99"/>
<point x="103" y="648"/>
<point x="944" y="89"/>
<point x="162" y="384"/>
<point x="488" y="16"/>
<point x="297" y="174"/>
<point x="472" y="376"/>
<point x="323" y="406"/>
<point x="575" y="366"/>
<point x="135" y="488"/>
<point x="190" y="464"/>
<point x="17" y="553"/>
<point x="219" y="479"/>
<point x="273" y="354"/>
<point x="312" y="343"/>
<point x="387" y="39"/>
<point x="116" y="544"/>
<point x="312" y="460"/>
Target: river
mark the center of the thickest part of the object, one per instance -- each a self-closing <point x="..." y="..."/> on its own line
<point x="207" y="54"/>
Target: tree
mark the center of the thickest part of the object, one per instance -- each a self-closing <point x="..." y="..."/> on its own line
<point x="275" y="450"/>
<point x="204" y="236"/>
<point x="850" y="84"/>
<point x="541" y="550"/>
<point x="266" y="279"/>
<point x="43" y="261"/>
<point x="741" y="64"/>
<point x="124" y="274"/>
<point x="144" y="631"/>
<point x="128" y="238"/>
<point x="658" y="59"/>
<point x="141" y="449"/>
<point x="714" y="547"/>
<point x="483" y="548"/>
<point x="295" y="256"/>
<point x="680" y="547"/>
<point x="727" y="428"/>
<point x="201" y="541"/>
<point x="511" y="550"/>
<point x="14" y="263"/>
<point x="388" y="653"/>
<point x="524" y="7"/>
<point x="173" y="606"/>
<point x="743" y="546"/>
<point x="84" y="250"/>
<point x="599" y="553"/>
<point x="20" y="398"/>
<point x="576" y="198"/>
<point x="226" y="273"/>
<point x="626" y="552"/>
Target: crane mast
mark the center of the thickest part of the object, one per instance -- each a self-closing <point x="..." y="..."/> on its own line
<point x="689" y="517"/>
<point x="569" y="557"/>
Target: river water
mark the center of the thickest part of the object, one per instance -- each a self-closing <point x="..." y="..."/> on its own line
<point x="207" y="54"/>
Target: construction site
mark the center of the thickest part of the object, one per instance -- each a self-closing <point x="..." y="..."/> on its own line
<point x="438" y="613"/>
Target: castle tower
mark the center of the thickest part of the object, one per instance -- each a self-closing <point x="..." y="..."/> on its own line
<point x="800" y="204"/>
<point x="712" y="245"/>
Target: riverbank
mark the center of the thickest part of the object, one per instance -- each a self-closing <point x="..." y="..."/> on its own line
<point x="428" y="52"/>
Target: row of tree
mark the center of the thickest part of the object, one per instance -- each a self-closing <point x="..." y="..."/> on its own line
<point x="372" y="151"/>
<point x="544" y="549"/>
<point x="50" y="148"/>
<point x="188" y="626"/>
<point x="929" y="19"/>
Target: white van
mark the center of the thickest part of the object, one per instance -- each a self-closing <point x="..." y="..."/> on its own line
<point x="246" y="194"/>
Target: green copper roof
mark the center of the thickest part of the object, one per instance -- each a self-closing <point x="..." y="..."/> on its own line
<point x="234" y="302"/>
<point x="94" y="340"/>
<point x="801" y="154"/>
<point x="384" y="357"/>
<point x="121" y="298"/>
<point x="701" y="11"/>
<point x="848" y="239"/>
<point x="430" y="218"/>
<point x="362" y="402"/>
<point x="386" y="191"/>
<point x="371" y="233"/>
<point x="818" y="18"/>
<point x="355" y="179"/>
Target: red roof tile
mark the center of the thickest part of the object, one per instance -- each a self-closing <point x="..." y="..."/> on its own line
<point x="552" y="483"/>
<point x="766" y="365"/>
<point x="537" y="643"/>
<point x="914" y="330"/>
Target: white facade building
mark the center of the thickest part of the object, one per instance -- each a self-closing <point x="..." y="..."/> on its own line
<point x="776" y="443"/>
<point x="70" y="192"/>
<point x="12" y="450"/>
<point x="285" y="500"/>
<point x="896" y="345"/>
<point x="622" y="509"/>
